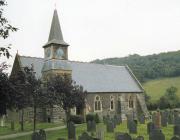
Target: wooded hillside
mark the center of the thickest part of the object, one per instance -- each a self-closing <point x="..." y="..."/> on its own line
<point x="150" y="66"/>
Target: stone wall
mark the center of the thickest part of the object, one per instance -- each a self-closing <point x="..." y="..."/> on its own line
<point x="123" y="98"/>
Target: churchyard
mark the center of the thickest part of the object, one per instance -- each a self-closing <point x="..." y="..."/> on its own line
<point x="161" y="126"/>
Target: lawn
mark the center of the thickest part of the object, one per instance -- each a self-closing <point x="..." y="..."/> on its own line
<point x="27" y="127"/>
<point x="142" y="130"/>
<point x="157" y="88"/>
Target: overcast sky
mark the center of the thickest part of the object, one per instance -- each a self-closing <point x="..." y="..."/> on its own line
<point x="96" y="29"/>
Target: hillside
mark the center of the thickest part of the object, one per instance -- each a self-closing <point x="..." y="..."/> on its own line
<point x="150" y="66"/>
<point x="157" y="88"/>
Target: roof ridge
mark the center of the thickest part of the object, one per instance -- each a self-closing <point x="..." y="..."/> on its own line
<point x="30" y="57"/>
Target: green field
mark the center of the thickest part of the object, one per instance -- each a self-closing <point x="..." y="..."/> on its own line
<point x="157" y="88"/>
<point x="142" y="130"/>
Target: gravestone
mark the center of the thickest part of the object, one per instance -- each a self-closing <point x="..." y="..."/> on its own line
<point x="85" y="136"/>
<point x="139" y="138"/>
<point x="100" y="134"/>
<point x="150" y="127"/>
<point x="122" y="136"/>
<point x="42" y="134"/>
<point x="142" y="119"/>
<point x="71" y="131"/>
<point x="154" y="117"/>
<point x="110" y="126"/>
<point x="156" y="134"/>
<point x="158" y="120"/>
<point x="119" y="119"/>
<point x="177" y="130"/>
<point x="171" y="118"/>
<point x="114" y="122"/>
<point x="104" y="119"/>
<point x="175" y="138"/>
<point x="91" y="126"/>
<point x="176" y="118"/>
<point x="132" y="127"/>
<point x="129" y="119"/>
<point x="35" y="136"/>
<point x="12" y="125"/>
<point x="164" y="119"/>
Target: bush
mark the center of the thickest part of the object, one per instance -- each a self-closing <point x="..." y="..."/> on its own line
<point x="76" y="119"/>
<point x="91" y="117"/>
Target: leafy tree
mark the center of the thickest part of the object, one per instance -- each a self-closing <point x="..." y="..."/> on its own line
<point x="170" y="99"/>
<point x="5" y="29"/>
<point x="65" y="93"/>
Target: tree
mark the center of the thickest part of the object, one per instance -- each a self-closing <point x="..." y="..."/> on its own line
<point x="5" y="29"/>
<point x="170" y="99"/>
<point x="6" y="93"/>
<point x="37" y="98"/>
<point x="65" y="93"/>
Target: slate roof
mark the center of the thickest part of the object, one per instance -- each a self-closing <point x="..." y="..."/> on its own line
<point x="94" y="77"/>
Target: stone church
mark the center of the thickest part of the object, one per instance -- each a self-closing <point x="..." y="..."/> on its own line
<point x="111" y="89"/>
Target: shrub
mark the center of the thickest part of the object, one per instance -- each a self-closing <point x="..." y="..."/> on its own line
<point x="91" y="117"/>
<point x="76" y="119"/>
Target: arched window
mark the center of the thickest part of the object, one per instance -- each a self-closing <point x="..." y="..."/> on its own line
<point x="131" y="103"/>
<point x="112" y="106"/>
<point x="97" y="103"/>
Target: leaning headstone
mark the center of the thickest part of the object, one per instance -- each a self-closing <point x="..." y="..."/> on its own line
<point x="42" y="134"/>
<point x="177" y="130"/>
<point x="142" y="119"/>
<point x="150" y="127"/>
<point x="175" y="138"/>
<point x="71" y="131"/>
<point x="12" y="125"/>
<point x="110" y="126"/>
<point x="164" y="119"/>
<point x="35" y="136"/>
<point x="132" y="127"/>
<point x="100" y="134"/>
<point x="139" y="138"/>
<point x="156" y="134"/>
<point x="122" y="136"/>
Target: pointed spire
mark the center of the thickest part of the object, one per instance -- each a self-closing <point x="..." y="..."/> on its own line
<point x="55" y="36"/>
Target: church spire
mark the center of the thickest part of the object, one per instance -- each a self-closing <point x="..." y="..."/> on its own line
<point x="55" y="36"/>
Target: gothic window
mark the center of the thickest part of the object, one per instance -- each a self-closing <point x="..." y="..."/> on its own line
<point x="112" y="106"/>
<point x="97" y="103"/>
<point x="131" y="103"/>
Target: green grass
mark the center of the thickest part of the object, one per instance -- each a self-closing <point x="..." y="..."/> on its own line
<point x="157" y="88"/>
<point x="142" y="130"/>
<point x="27" y="127"/>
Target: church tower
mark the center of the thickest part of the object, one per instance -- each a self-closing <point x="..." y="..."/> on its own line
<point x="56" y="51"/>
